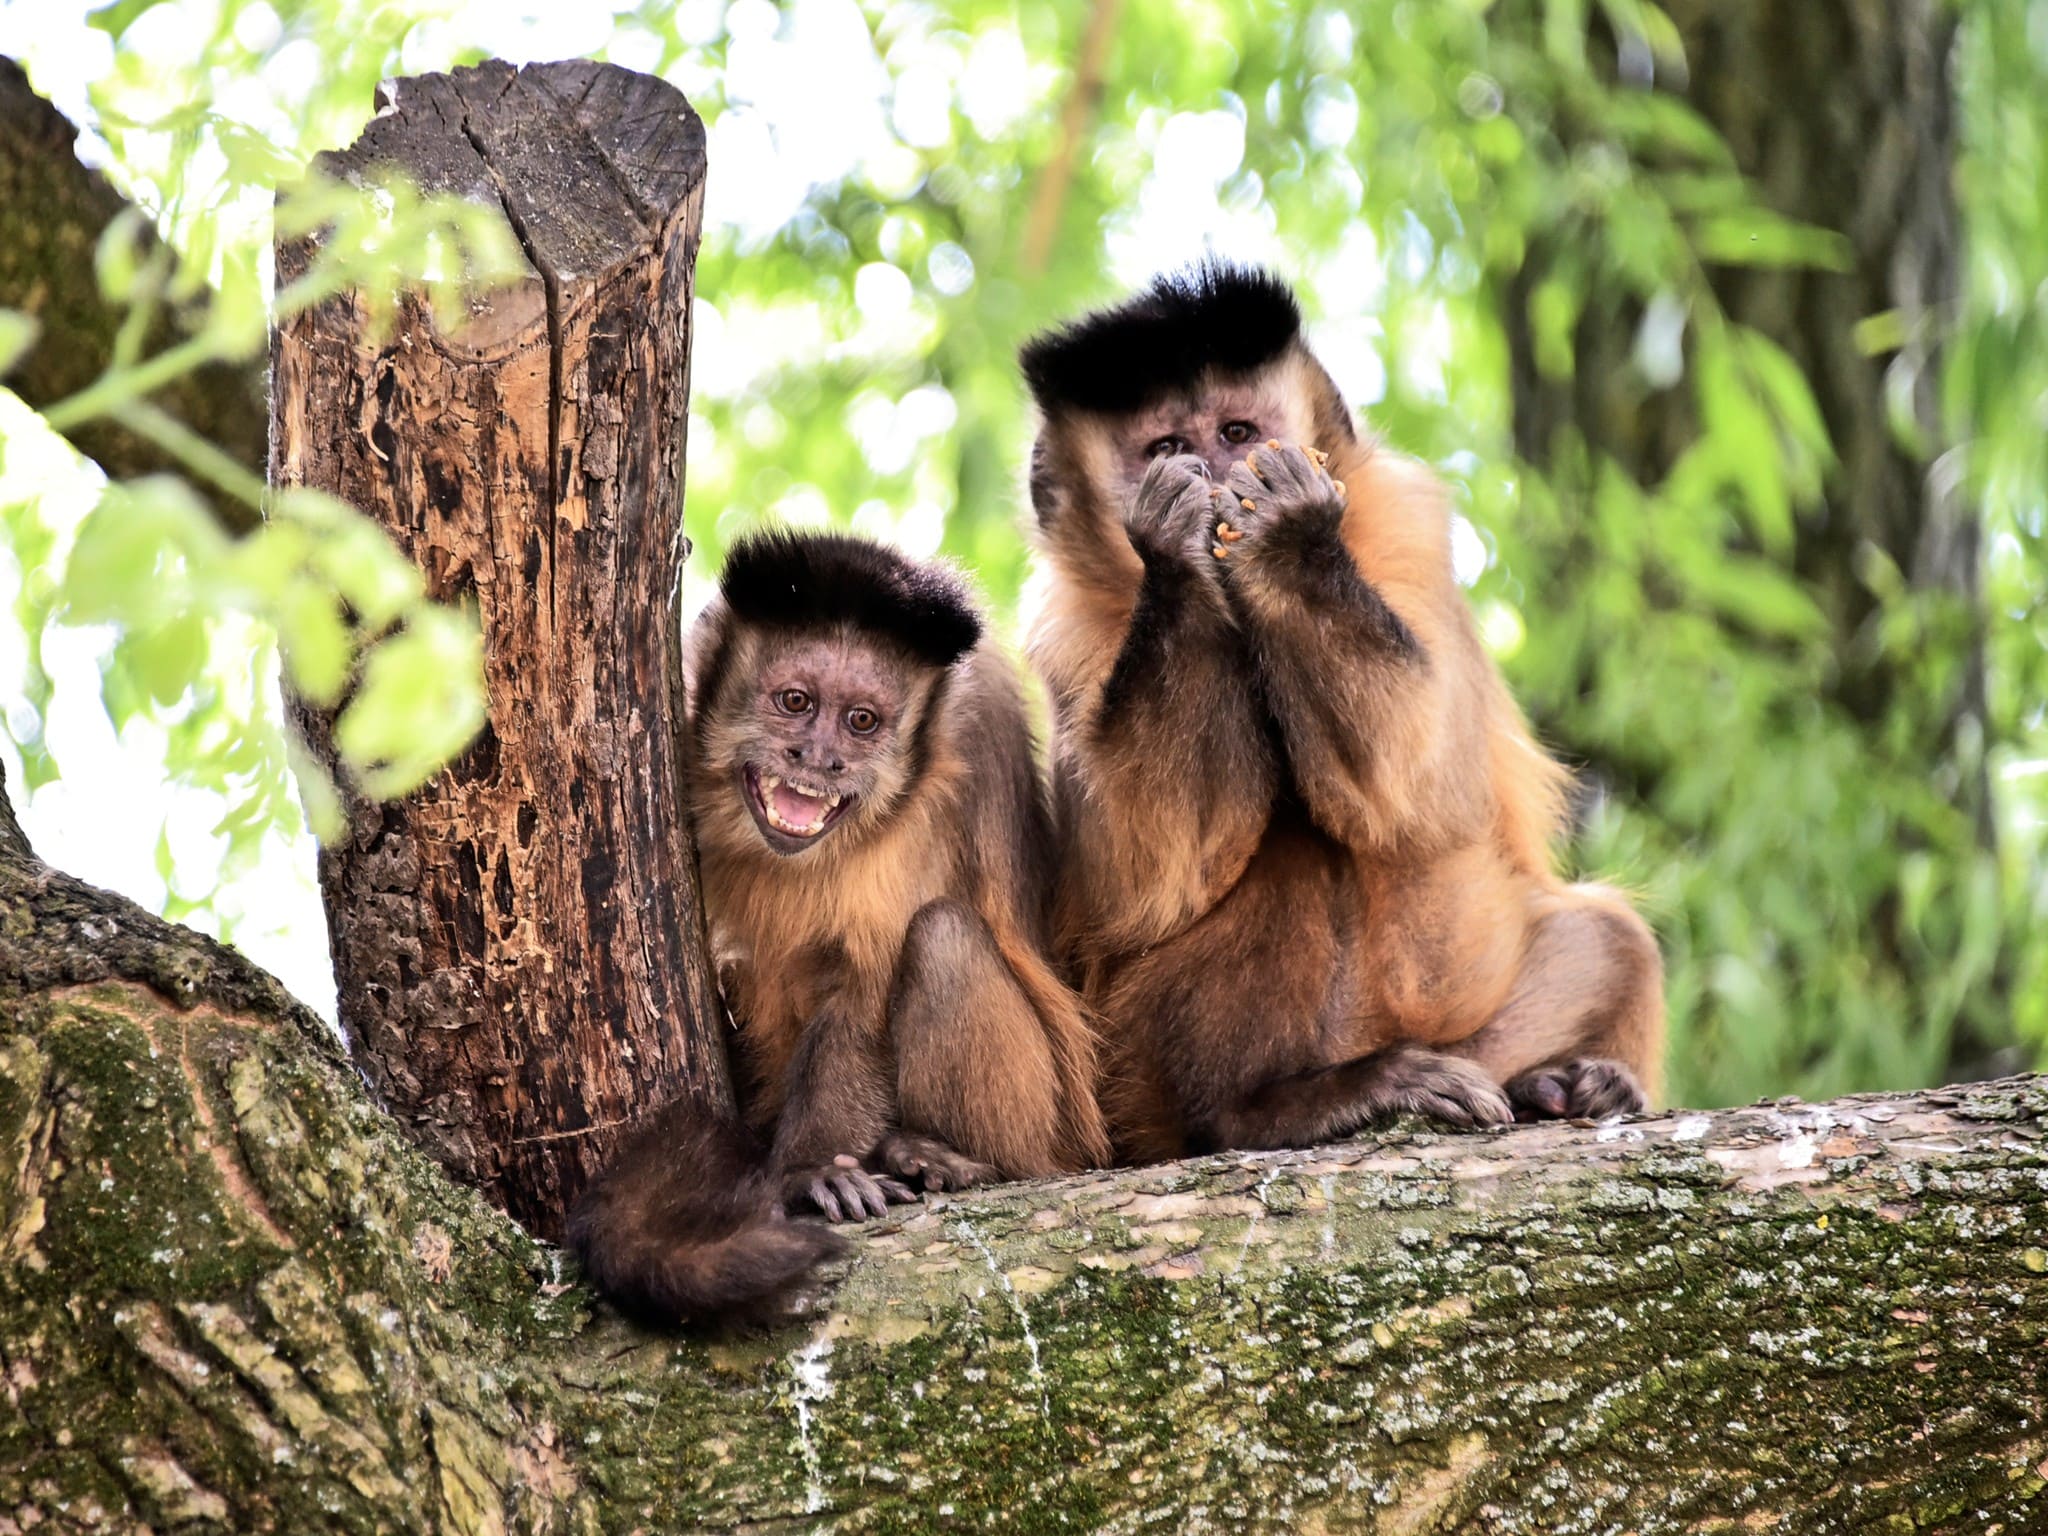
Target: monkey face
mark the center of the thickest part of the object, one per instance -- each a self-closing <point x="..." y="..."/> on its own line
<point x="820" y="737"/>
<point x="1218" y="421"/>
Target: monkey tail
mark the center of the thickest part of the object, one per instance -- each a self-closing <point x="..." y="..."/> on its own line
<point x="1071" y="1033"/>
<point x="685" y="1226"/>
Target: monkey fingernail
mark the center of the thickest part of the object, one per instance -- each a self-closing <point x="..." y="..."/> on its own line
<point x="1246" y="503"/>
<point x="1228" y="534"/>
<point x="1219" y="551"/>
<point x="1273" y="443"/>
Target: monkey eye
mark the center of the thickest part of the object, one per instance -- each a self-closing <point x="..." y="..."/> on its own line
<point x="862" y="721"/>
<point x="1160" y="447"/>
<point x="793" y="701"/>
<point x="1238" y="433"/>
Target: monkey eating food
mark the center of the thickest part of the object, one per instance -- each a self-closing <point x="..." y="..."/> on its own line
<point x="1306" y="875"/>
<point x="876" y="857"/>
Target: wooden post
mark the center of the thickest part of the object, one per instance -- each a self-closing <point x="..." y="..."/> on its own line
<point x="519" y="945"/>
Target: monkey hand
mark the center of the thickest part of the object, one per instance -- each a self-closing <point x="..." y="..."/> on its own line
<point x="1175" y="506"/>
<point x="842" y="1190"/>
<point x="929" y="1162"/>
<point x="1272" y="486"/>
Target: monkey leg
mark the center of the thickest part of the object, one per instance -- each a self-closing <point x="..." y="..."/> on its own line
<point x="1583" y="1026"/>
<point x="835" y="1108"/>
<point x="977" y="1092"/>
<point x="1303" y="1108"/>
<point x="1245" y="1030"/>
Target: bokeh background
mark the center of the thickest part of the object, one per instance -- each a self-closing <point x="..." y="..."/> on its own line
<point x="1726" y="320"/>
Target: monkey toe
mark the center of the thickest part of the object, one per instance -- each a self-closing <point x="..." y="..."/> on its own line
<point x="1449" y="1089"/>
<point x="819" y="1193"/>
<point x="842" y="1190"/>
<point x="930" y="1163"/>
<point x="1588" y="1088"/>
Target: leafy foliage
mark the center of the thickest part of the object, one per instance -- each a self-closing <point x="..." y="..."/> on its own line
<point x="1466" y="192"/>
<point x="197" y="616"/>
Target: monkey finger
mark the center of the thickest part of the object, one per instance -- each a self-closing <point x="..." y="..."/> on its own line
<point x="821" y="1196"/>
<point x="1246" y="484"/>
<point x="898" y="1192"/>
<point x="852" y="1199"/>
<point x="869" y="1193"/>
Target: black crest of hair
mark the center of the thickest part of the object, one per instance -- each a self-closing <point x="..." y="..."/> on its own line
<point x="1214" y="315"/>
<point x="793" y="580"/>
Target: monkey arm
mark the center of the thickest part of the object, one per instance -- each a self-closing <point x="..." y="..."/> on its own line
<point x="1374" y="683"/>
<point x="839" y="1102"/>
<point x="1166" y="772"/>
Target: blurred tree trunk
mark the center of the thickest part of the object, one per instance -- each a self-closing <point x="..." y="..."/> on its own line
<point x="1843" y="115"/>
<point x="53" y="211"/>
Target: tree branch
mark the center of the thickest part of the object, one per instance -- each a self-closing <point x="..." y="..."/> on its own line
<point x="52" y="212"/>
<point x="236" y="1299"/>
<point x="1042" y="224"/>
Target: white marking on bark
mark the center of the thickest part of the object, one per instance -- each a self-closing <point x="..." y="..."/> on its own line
<point x="1244" y="1249"/>
<point x="1691" y="1128"/>
<point x="1016" y="1306"/>
<point x="1328" y="1183"/>
<point x="1798" y="1152"/>
<point x="813" y="1385"/>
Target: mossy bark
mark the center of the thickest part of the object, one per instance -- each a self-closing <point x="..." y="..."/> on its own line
<point x="233" y="1298"/>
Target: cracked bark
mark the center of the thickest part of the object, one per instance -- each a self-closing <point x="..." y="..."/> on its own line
<point x="234" y="1298"/>
<point x="518" y="945"/>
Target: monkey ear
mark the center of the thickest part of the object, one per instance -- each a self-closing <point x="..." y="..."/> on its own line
<point x="787" y="579"/>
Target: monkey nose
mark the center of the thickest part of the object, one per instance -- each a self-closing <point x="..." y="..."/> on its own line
<point x="794" y="754"/>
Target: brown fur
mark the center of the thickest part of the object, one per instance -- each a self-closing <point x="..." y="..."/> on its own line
<point x="899" y="1023"/>
<point x="1305" y="830"/>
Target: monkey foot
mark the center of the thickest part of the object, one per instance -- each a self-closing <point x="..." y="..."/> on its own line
<point x="930" y="1162"/>
<point x="842" y="1190"/>
<point x="1446" y="1088"/>
<point x="1588" y="1088"/>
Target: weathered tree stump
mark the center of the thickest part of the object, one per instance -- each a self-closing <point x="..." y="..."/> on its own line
<point x="518" y="945"/>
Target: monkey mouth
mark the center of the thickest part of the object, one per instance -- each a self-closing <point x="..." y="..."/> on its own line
<point x="792" y="815"/>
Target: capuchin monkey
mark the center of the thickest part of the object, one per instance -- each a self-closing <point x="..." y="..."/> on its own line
<point x="876" y="855"/>
<point x="1306" y="877"/>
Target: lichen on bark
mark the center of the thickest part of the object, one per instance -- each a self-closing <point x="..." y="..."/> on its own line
<point x="234" y="1299"/>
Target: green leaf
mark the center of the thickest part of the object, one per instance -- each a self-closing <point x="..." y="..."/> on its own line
<point x="1756" y="237"/>
<point x="18" y="333"/>
<point x="167" y="659"/>
<point x="117" y="258"/>
<point x="316" y="645"/>
<point x="419" y="703"/>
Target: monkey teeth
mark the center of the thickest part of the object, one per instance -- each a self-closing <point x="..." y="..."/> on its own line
<point x="797" y="811"/>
